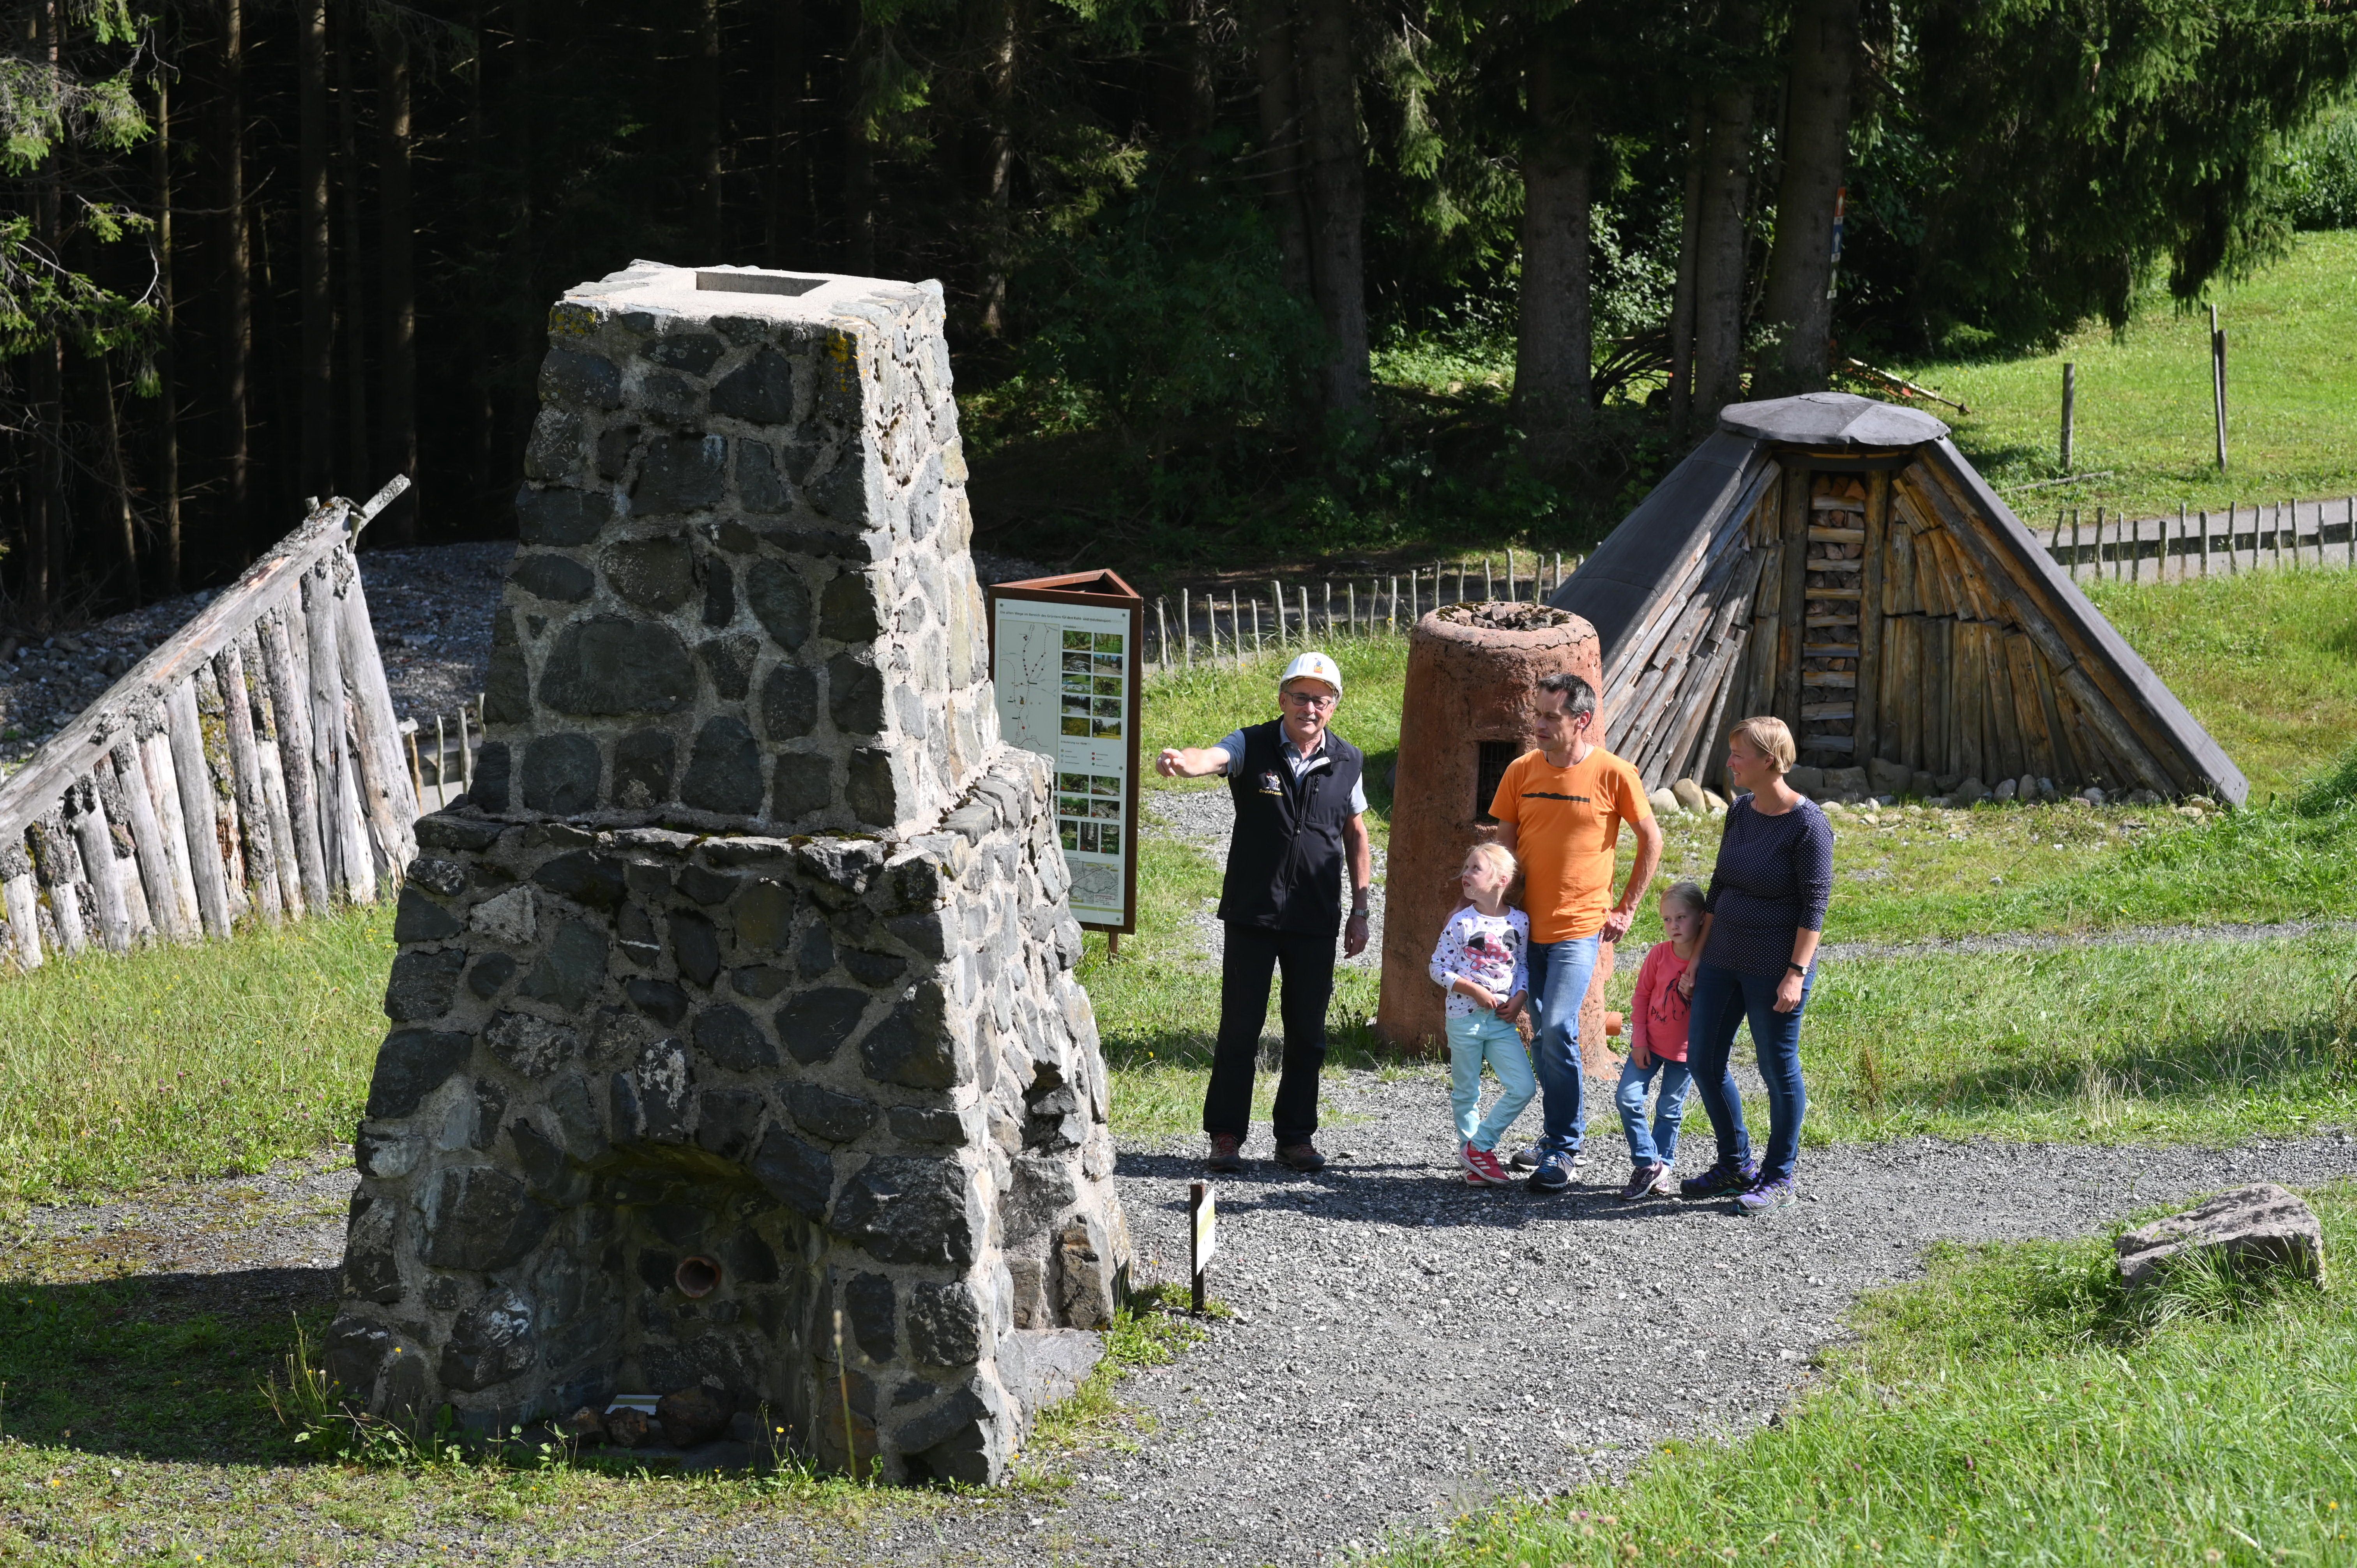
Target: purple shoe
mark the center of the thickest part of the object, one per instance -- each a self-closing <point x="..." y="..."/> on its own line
<point x="1644" y="1179"/>
<point x="1722" y="1180"/>
<point x="1764" y="1197"/>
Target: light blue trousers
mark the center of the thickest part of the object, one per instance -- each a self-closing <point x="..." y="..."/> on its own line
<point x="1485" y="1037"/>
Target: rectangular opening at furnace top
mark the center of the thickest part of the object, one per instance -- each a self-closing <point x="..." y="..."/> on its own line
<point x="756" y="283"/>
<point x="1497" y="755"/>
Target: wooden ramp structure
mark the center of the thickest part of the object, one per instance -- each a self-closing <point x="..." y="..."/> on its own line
<point x="249" y="765"/>
<point x="1835" y="562"/>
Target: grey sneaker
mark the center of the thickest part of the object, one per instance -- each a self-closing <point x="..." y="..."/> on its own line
<point x="1526" y="1158"/>
<point x="1766" y="1197"/>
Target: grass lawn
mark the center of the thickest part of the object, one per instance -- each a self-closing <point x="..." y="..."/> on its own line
<point x="2144" y="408"/>
<point x="2014" y="1408"/>
<point x="189" y="1062"/>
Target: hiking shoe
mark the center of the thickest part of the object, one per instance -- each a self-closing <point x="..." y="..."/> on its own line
<point x="1763" y="1198"/>
<point x="1303" y="1158"/>
<point x="1227" y="1156"/>
<point x="1526" y="1158"/>
<point x="1722" y="1180"/>
<point x="1551" y="1176"/>
<point x="1482" y="1166"/>
<point x="1643" y="1182"/>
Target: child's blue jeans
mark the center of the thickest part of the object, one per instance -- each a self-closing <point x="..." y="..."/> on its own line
<point x="1473" y="1040"/>
<point x="1661" y="1148"/>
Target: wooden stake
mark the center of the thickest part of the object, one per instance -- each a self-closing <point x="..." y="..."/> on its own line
<point x="1305" y="614"/>
<point x="1186" y="629"/>
<point x="186" y="738"/>
<point x="1350" y="604"/>
<point x="2069" y="409"/>
<point x="2218" y="383"/>
<point x="1162" y="634"/>
<point x="2205" y="541"/>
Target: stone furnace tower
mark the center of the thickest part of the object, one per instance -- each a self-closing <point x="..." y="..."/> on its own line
<point x="735" y="1039"/>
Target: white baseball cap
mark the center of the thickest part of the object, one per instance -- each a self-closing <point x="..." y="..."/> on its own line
<point x="1312" y="666"/>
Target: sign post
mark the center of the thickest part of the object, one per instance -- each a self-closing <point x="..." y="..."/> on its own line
<point x="1204" y="1232"/>
<point x="1065" y="664"/>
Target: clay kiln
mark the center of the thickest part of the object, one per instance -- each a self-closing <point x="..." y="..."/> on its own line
<point x="1474" y="671"/>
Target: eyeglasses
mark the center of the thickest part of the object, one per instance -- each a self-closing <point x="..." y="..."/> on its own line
<point x="1311" y="698"/>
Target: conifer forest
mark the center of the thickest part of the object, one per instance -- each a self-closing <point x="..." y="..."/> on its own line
<point x="256" y="250"/>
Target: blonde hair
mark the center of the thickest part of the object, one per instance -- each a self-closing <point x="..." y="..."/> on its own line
<point x="1768" y="735"/>
<point x="1685" y="891"/>
<point x="1497" y="857"/>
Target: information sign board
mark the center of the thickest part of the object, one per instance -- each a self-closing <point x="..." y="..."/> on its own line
<point x="1064" y="661"/>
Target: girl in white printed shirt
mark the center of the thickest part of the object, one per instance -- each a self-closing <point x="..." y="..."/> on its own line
<point x="1481" y="961"/>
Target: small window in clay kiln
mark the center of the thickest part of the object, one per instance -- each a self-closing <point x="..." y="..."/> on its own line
<point x="1497" y="755"/>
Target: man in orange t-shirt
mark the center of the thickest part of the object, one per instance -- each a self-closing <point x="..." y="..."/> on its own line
<point x="1560" y="809"/>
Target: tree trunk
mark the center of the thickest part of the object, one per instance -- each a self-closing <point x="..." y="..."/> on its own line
<point x="708" y="236"/>
<point x="483" y="483"/>
<point x="1280" y="140"/>
<point x="1719" y="237"/>
<point x="167" y="393"/>
<point x="44" y="565"/>
<point x="318" y="311"/>
<point x="237" y="288"/>
<point x="398" y="287"/>
<point x="858" y="159"/>
<point x="1554" y="344"/>
<point x="1682" y="299"/>
<point x="354" y="324"/>
<point x="119" y="476"/>
<point x="1337" y="199"/>
<point x="785" y="125"/>
<point x="1798" y="299"/>
<point x="998" y="171"/>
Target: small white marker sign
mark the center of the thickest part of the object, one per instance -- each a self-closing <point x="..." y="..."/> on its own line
<point x="1203" y="1208"/>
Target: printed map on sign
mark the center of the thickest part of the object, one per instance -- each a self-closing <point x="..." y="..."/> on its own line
<point x="1064" y="691"/>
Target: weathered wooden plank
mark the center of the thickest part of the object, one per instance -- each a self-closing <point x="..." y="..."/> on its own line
<point x="2030" y="703"/>
<point x="58" y="865"/>
<point x="1846" y="678"/>
<point x="260" y="851"/>
<point x="2005" y="725"/>
<point x="1868" y="727"/>
<point x="200" y="826"/>
<point x="386" y="798"/>
<point x="86" y="820"/>
<point x="221" y="777"/>
<point x="1837" y="536"/>
<point x="147" y="849"/>
<point x="290" y="706"/>
<point x="350" y="866"/>
<point x="1792" y="594"/>
<point x="23" y="903"/>
<point x="1899" y="595"/>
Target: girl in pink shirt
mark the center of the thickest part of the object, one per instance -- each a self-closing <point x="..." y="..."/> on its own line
<point x="1657" y="1044"/>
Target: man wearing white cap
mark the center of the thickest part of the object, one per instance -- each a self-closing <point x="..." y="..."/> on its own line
<point x="1300" y="812"/>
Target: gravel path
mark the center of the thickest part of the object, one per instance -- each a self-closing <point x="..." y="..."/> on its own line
<point x="1404" y="1347"/>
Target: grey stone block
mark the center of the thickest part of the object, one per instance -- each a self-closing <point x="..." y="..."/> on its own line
<point x="855" y="695"/>
<point x="690" y="352"/>
<point x="789" y="702"/>
<point x="560" y="774"/>
<point x="759" y="392"/>
<point x="765" y="917"/>
<point x="724" y="769"/>
<point x="659" y="999"/>
<point x="531" y="1047"/>
<point x="372" y="1270"/>
<point x="609" y="666"/>
<point x="780" y="601"/>
<point x="814" y="1026"/>
<point x="680" y="474"/>
<point x="730" y="1037"/>
<point x="2250" y="1229"/>
<point x="418" y="918"/>
<point x="945" y="1326"/>
<point x="726" y="1120"/>
<point x="719" y="591"/>
<point x="560" y="578"/>
<point x="803" y="783"/>
<point x="571" y="970"/>
<point x="848" y="610"/>
<point x="489" y="1343"/>
<point x="643" y="763"/>
<point x="570" y="377"/>
<point x="905" y="1210"/>
<point x="560" y="516"/>
<point x="423" y="984"/>
<point x="481" y="1219"/>
<point x="489" y="974"/>
<point x="656" y="574"/>
<point x="825" y="1113"/>
<point x="695" y="947"/>
<point x="728" y="663"/>
<point x="869" y="1308"/>
<point x="796" y="1173"/>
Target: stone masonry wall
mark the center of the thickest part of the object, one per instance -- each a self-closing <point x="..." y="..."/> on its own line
<point x="847" y="1070"/>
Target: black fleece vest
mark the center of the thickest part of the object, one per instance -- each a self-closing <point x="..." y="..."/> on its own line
<point x="1286" y="860"/>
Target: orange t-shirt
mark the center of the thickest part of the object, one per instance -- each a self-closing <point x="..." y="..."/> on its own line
<point x="1567" y="833"/>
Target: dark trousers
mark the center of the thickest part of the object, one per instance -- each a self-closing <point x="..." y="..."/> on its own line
<point x="1724" y="1000"/>
<point x="1253" y="955"/>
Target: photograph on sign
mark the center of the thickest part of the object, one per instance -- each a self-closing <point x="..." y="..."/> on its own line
<point x="1067" y="686"/>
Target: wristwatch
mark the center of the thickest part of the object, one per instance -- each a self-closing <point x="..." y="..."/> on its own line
<point x="1800" y="968"/>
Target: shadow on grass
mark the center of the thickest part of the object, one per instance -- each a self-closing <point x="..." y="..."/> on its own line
<point x="171" y="1367"/>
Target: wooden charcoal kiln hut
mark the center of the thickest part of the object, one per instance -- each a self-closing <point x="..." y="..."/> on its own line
<point x="1835" y="562"/>
<point x="1474" y="671"/>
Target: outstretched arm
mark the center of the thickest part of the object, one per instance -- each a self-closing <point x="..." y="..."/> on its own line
<point x="1191" y="761"/>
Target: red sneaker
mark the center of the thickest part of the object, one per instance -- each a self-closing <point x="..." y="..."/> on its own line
<point x="1482" y="1166"/>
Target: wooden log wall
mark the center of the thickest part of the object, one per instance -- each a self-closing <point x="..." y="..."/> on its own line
<point x="1882" y="617"/>
<point x="249" y="767"/>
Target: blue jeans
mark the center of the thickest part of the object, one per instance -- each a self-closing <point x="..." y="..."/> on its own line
<point x="1723" y="999"/>
<point x="1662" y="1147"/>
<point x="1473" y="1040"/>
<point x="1559" y="976"/>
